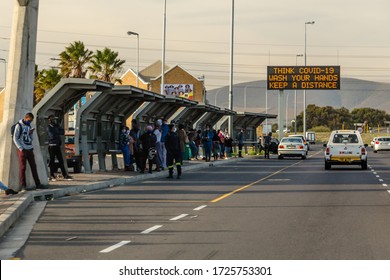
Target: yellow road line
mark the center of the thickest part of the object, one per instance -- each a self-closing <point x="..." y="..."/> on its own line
<point x="258" y="181"/>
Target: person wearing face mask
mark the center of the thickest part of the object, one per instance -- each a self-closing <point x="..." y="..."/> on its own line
<point x="124" y="142"/>
<point x="148" y="146"/>
<point x="54" y="132"/>
<point x="23" y="137"/>
<point x="172" y="144"/>
<point x="207" y="140"/>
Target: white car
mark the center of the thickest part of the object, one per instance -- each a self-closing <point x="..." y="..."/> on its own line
<point x="382" y="144"/>
<point x="291" y="147"/>
<point x="345" y="147"/>
<point x="373" y="142"/>
<point x="307" y="144"/>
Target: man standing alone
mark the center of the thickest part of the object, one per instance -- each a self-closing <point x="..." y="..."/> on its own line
<point x="172" y="144"/>
<point x="23" y="137"/>
<point x="54" y="132"/>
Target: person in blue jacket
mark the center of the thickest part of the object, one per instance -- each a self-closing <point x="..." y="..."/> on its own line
<point x="207" y="140"/>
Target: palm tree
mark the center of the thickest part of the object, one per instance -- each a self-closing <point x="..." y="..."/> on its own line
<point x="74" y="60"/>
<point x="105" y="65"/>
<point x="45" y="80"/>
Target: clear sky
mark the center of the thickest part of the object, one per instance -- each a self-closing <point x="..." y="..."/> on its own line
<point x="352" y="33"/>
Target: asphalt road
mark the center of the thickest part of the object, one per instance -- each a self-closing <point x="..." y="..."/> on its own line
<point x="254" y="209"/>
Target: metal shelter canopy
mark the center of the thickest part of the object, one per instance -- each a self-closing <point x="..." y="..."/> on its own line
<point x="100" y="119"/>
<point x="248" y="119"/>
<point x="164" y="108"/>
<point x="190" y="115"/>
<point x="212" y="117"/>
<point x="58" y="101"/>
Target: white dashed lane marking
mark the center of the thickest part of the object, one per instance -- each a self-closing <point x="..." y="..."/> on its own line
<point x="149" y="230"/>
<point x="200" y="207"/>
<point x="179" y="217"/>
<point x="114" y="247"/>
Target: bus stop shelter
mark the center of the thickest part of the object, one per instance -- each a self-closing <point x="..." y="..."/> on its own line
<point x="58" y="102"/>
<point x="100" y="119"/>
<point x="212" y="117"/>
<point x="164" y="108"/>
<point x="188" y="116"/>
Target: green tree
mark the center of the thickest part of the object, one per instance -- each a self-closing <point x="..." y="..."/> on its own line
<point x="74" y="60"/>
<point x="372" y="116"/>
<point x="105" y="65"/>
<point x="44" y="81"/>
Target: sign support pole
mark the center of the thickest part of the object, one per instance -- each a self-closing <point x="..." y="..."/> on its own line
<point x="281" y="113"/>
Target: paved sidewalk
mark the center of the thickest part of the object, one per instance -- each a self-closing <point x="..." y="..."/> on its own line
<point x="12" y="207"/>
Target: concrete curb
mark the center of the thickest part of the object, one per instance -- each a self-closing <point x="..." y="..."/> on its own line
<point x="11" y="215"/>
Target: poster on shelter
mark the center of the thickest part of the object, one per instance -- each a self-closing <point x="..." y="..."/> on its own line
<point x="180" y="90"/>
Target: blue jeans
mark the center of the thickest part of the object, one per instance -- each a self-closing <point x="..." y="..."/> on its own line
<point x="228" y="151"/>
<point x="207" y="148"/>
<point x="126" y="155"/>
<point x="2" y="186"/>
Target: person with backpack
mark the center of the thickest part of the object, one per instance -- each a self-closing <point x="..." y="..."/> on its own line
<point x="7" y="190"/>
<point x="54" y="132"/>
<point x="148" y="142"/>
<point x="22" y="133"/>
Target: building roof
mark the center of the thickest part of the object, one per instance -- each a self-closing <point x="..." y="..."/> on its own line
<point x="171" y="69"/>
<point x="153" y="71"/>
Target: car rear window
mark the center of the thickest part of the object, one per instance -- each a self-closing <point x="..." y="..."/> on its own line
<point x="341" y="138"/>
<point x="292" y="140"/>
<point x="384" y="139"/>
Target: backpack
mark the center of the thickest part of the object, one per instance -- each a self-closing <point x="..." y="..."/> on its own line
<point x="13" y="129"/>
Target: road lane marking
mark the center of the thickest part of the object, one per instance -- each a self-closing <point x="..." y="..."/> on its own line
<point x="377" y="176"/>
<point x="388" y="191"/>
<point x="258" y="181"/>
<point x="200" y="208"/>
<point x="380" y="180"/>
<point x="385" y="185"/>
<point x="374" y="173"/>
<point x="179" y="217"/>
<point x="114" y="247"/>
<point x="149" y="230"/>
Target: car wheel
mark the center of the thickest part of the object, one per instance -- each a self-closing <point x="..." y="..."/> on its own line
<point x="375" y="151"/>
<point x="303" y="157"/>
<point x="364" y="165"/>
<point x="327" y="165"/>
<point x="280" y="157"/>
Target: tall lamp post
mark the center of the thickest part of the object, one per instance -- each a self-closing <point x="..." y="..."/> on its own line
<point x="304" y="92"/>
<point x="230" y="125"/>
<point x="5" y="70"/>
<point x="130" y="33"/>
<point x="295" y="96"/>
<point x="163" y="48"/>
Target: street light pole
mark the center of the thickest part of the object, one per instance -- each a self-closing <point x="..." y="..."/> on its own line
<point x="295" y="97"/>
<point x="163" y="48"/>
<point x="136" y="34"/>
<point x="230" y="126"/>
<point x="5" y="71"/>
<point x="304" y="92"/>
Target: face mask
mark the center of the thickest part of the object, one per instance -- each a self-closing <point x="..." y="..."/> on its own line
<point x="174" y="130"/>
<point x="123" y="130"/>
<point x="27" y="122"/>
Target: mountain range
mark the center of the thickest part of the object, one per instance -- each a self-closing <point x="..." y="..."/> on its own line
<point x="353" y="93"/>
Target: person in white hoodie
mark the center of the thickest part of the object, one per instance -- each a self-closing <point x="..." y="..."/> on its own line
<point x="23" y="137"/>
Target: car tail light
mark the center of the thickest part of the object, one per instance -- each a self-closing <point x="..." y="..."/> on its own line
<point x="327" y="151"/>
<point x="377" y="142"/>
<point x="300" y="147"/>
<point x="363" y="151"/>
<point x="281" y="147"/>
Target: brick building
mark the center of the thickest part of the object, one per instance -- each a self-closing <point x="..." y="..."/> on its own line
<point x="178" y="81"/>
